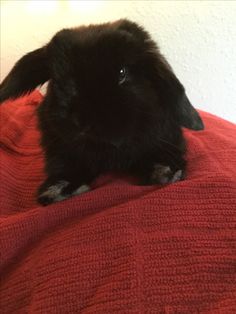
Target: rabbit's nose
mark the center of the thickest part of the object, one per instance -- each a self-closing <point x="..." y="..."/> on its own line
<point x="117" y="143"/>
<point x="85" y="130"/>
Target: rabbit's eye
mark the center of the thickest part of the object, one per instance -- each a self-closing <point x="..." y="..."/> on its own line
<point x="122" y="75"/>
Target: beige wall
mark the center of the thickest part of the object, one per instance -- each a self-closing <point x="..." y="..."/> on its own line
<point x="197" y="37"/>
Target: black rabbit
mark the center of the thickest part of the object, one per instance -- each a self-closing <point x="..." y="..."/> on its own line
<point x="113" y="103"/>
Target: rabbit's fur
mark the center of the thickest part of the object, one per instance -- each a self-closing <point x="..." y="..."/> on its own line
<point x="113" y="103"/>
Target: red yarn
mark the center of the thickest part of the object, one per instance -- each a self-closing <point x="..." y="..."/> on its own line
<point x="120" y="248"/>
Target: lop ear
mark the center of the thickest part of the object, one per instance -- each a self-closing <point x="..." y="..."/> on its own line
<point x="172" y="93"/>
<point x="174" y="97"/>
<point x="29" y="72"/>
<point x="188" y="116"/>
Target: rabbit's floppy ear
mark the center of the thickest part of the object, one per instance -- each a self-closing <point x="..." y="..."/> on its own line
<point x="188" y="116"/>
<point x="29" y="72"/>
<point x="174" y="96"/>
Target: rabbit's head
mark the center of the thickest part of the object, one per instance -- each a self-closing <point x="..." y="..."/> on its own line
<point x="106" y="81"/>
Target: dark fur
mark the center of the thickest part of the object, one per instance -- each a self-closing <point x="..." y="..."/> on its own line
<point x="90" y="123"/>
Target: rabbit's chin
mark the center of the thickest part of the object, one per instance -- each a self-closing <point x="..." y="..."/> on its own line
<point x="115" y="142"/>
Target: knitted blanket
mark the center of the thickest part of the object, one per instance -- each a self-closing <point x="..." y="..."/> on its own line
<point x="120" y="248"/>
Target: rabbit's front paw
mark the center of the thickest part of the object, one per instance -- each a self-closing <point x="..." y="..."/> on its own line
<point x="54" y="192"/>
<point x="164" y="174"/>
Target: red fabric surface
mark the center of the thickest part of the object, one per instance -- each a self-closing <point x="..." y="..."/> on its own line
<point x="120" y="248"/>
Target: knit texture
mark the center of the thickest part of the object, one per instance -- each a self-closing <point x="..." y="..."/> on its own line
<point x="120" y="248"/>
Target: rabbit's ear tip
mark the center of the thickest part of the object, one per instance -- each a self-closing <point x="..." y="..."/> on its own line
<point x="188" y="115"/>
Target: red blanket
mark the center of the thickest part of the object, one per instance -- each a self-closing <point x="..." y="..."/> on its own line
<point x="120" y="248"/>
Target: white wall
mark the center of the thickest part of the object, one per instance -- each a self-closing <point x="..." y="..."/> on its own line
<point x="197" y="37"/>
